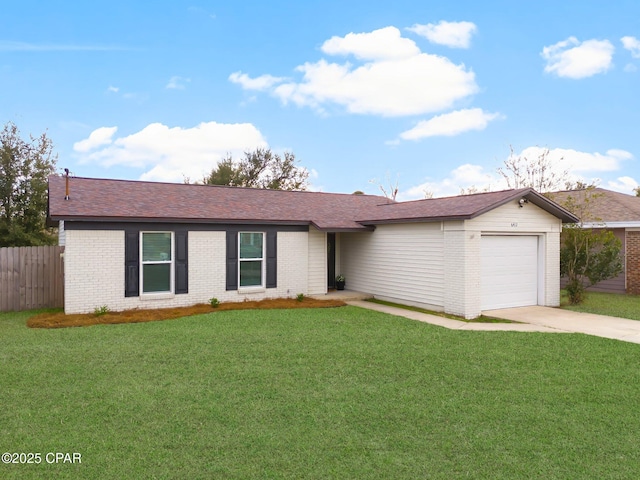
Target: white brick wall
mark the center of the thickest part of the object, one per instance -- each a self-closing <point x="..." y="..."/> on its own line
<point x="552" y="269"/>
<point x="94" y="271"/>
<point x="461" y="271"/>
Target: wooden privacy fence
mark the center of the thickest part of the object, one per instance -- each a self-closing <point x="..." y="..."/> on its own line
<point x="31" y="277"/>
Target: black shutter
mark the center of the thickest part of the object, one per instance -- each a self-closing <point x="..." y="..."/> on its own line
<point x="272" y="257"/>
<point x="131" y="263"/>
<point x="181" y="262"/>
<point x="232" y="260"/>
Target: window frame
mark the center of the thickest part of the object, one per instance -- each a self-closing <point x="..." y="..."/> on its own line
<point x="262" y="260"/>
<point x="171" y="262"/>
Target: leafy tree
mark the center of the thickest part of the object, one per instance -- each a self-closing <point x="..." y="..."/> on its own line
<point x="260" y="169"/>
<point x="587" y="255"/>
<point x="637" y="191"/>
<point x="24" y="169"/>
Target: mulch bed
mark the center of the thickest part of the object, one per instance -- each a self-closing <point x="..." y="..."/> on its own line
<point x="61" y="320"/>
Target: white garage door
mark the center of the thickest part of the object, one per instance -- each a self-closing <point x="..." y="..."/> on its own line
<point x="508" y="271"/>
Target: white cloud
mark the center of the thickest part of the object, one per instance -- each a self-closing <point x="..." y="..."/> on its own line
<point x="632" y="44"/>
<point x="263" y="82"/>
<point x="451" y="34"/>
<point x="582" y="166"/>
<point x="97" y="138"/>
<point x="170" y="154"/>
<point x="450" y="124"/>
<point x="623" y="184"/>
<point x="582" y="162"/>
<point x="415" y="85"/>
<point x="112" y="89"/>
<point x="177" y="83"/>
<point x="406" y="82"/>
<point x="463" y="177"/>
<point x="573" y="59"/>
<point x="385" y="43"/>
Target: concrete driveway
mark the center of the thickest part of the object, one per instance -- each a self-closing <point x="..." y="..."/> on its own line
<point x="532" y="319"/>
<point x="576" y="322"/>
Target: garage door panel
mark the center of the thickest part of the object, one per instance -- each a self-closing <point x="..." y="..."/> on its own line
<point x="509" y="271"/>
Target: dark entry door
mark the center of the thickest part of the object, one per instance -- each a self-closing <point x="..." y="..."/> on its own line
<point x="331" y="260"/>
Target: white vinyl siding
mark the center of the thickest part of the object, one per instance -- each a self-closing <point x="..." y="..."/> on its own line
<point x="403" y="262"/>
<point x="61" y="236"/>
<point x="513" y="219"/>
<point x="317" y="262"/>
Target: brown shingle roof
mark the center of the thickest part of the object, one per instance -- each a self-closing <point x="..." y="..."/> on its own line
<point x="462" y="207"/>
<point x="126" y="200"/>
<point x="605" y="205"/>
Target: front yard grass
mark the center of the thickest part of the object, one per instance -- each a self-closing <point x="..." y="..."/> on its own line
<point x="612" y="304"/>
<point x="316" y="393"/>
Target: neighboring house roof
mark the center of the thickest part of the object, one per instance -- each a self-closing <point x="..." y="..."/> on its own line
<point x="613" y="209"/>
<point x="127" y="201"/>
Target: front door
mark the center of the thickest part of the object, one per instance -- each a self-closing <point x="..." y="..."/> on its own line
<point x="331" y="260"/>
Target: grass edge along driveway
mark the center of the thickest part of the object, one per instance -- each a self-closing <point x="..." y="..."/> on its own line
<point x="316" y="393"/>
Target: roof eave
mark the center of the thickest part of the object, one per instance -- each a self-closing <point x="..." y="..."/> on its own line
<point x="603" y="224"/>
<point x="538" y="200"/>
<point x="217" y="221"/>
<point x="415" y="220"/>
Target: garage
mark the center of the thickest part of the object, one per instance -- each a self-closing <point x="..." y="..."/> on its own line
<point x="509" y="269"/>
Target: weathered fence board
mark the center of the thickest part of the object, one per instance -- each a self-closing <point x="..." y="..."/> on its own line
<point x="31" y="277"/>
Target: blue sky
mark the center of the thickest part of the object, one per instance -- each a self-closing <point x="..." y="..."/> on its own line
<point x="431" y="95"/>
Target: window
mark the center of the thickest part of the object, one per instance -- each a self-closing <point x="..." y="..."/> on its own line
<point x="157" y="262"/>
<point x="251" y="259"/>
<point x="258" y="251"/>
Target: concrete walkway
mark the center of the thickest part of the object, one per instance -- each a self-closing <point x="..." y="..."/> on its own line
<point x="449" y="322"/>
<point x="533" y="319"/>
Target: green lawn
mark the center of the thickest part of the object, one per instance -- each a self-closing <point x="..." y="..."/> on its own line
<point x="341" y="393"/>
<point x="613" y="304"/>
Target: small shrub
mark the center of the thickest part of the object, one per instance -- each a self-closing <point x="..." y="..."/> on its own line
<point x="99" y="311"/>
<point x="300" y="297"/>
<point x="214" y="302"/>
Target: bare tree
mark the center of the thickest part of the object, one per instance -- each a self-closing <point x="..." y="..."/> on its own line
<point x="537" y="173"/>
<point x="390" y="190"/>
<point x="473" y="189"/>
